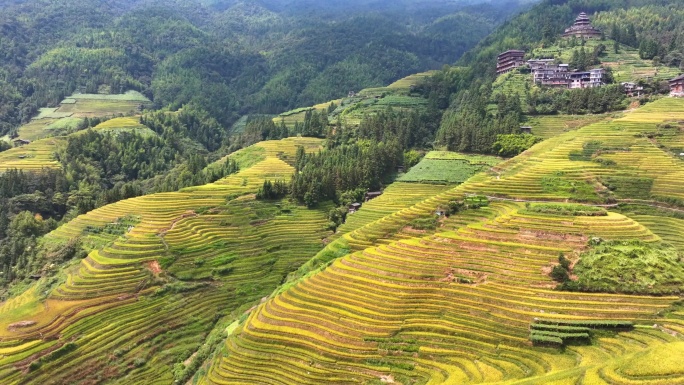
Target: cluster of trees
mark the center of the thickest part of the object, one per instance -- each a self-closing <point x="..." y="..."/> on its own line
<point x="273" y="190"/>
<point x="582" y="60"/>
<point x="513" y="144"/>
<point x="576" y="101"/>
<point x="327" y="175"/>
<point x="654" y="27"/>
<point x="468" y="126"/>
<point x="192" y="122"/>
<point x="25" y="199"/>
<point x="260" y="128"/>
<point x="413" y="128"/>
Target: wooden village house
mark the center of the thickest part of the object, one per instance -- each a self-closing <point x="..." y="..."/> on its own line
<point x="677" y="86"/>
<point x="632" y="89"/>
<point x="372" y="195"/>
<point x="509" y="60"/>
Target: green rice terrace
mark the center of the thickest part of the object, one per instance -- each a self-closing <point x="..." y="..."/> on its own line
<point x="367" y="101"/>
<point x="442" y="167"/>
<point x="467" y="269"/>
<point x="46" y="132"/>
<point x="65" y="117"/>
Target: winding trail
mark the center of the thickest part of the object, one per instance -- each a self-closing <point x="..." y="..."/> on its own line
<point x="655" y="204"/>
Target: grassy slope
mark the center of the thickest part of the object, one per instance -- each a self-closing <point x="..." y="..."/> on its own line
<point x="390" y="306"/>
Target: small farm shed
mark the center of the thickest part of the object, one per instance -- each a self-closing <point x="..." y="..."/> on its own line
<point x="21" y="142"/>
<point x="372" y="195"/>
<point x="354" y="207"/>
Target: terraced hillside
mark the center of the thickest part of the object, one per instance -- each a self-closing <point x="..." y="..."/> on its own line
<point x="384" y="304"/>
<point x="162" y="271"/>
<point x="33" y="156"/>
<point x="600" y="162"/>
<point x="47" y="130"/>
<point x="626" y="64"/>
<point x="553" y="125"/>
<point x="448" y="167"/>
<point x="367" y="101"/>
<point x="67" y="115"/>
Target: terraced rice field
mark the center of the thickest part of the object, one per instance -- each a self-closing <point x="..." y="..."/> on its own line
<point x="400" y="311"/>
<point x="48" y="127"/>
<point x="405" y="84"/>
<point x="33" y="156"/>
<point x="443" y="167"/>
<point x="42" y="129"/>
<point x="546" y="171"/>
<point x="73" y="109"/>
<point x="149" y="294"/>
<point x="380" y="301"/>
<point x="93" y="105"/>
<point x="294" y="116"/>
<point x="512" y="84"/>
<point x="124" y="124"/>
<point x="553" y="125"/>
<point x="368" y="101"/>
<point x="386" y="305"/>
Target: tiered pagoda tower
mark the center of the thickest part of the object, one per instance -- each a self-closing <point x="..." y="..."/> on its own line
<point x="582" y="28"/>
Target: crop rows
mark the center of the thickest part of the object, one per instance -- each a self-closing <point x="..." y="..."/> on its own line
<point x="399" y="309"/>
<point x="547" y="172"/>
<point x="455" y="307"/>
<point x="215" y="244"/>
<point x="32" y="157"/>
<point x="553" y="125"/>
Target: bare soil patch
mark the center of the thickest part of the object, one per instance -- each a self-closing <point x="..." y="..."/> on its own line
<point x="20" y="324"/>
<point x="154" y="267"/>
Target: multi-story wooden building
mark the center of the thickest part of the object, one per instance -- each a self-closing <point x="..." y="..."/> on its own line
<point x="509" y="60"/>
<point x="632" y="89"/>
<point x="677" y="86"/>
<point x="582" y="28"/>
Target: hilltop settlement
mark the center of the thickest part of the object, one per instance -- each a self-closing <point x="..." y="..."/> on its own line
<point x="550" y="72"/>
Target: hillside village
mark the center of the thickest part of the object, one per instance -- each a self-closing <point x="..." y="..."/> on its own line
<point x="550" y="72"/>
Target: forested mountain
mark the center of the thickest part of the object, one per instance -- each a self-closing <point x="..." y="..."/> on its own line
<point x="231" y="58"/>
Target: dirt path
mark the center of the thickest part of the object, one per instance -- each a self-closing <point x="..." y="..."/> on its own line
<point x="654" y="204"/>
<point x="495" y="198"/>
<point x="162" y="233"/>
